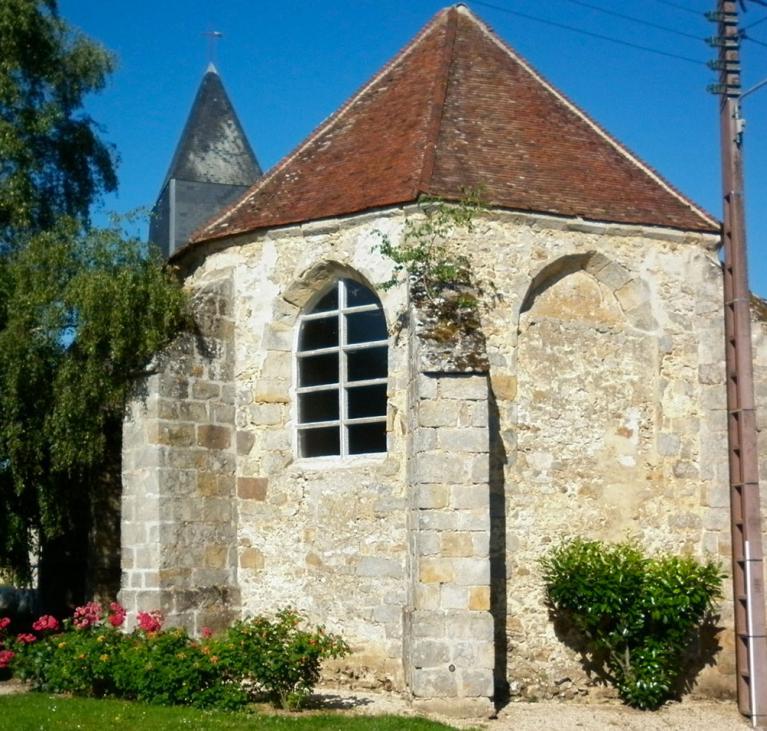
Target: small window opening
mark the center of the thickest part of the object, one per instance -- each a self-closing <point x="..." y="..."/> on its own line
<point x="342" y="367"/>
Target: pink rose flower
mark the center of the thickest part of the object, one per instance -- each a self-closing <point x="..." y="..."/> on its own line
<point x="149" y="621"/>
<point x="26" y="638"/>
<point x="207" y="632"/>
<point x="117" y="615"/>
<point x="46" y="623"/>
<point x="4" y="622"/>
<point x="5" y="658"/>
<point x="87" y="615"/>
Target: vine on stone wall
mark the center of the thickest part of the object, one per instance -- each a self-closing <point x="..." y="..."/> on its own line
<point x="443" y="286"/>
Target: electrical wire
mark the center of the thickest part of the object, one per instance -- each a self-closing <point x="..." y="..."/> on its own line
<point x="756" y="22"/>
<point x="589" y="33"/>
<point x="634" y="19"/>
<point x="753" y="40"/>
<point x="680" y="7"/>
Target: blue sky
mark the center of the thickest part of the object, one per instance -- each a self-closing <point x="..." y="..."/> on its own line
<point x="289" y="64"/>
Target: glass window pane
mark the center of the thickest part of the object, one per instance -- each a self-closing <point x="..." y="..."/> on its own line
<point x="365" y="438"/>
<point x="367" y="401"/>
<point x="357" y="294"/>
<point x="322" y="333"/>
<point x="318" y="406"/>
<point x="363" y="327"/>
<point x="328" y="301"/>
<point x="368" y="363"/>
<point x="317" y="370"/>
<point x="319" y="442"/>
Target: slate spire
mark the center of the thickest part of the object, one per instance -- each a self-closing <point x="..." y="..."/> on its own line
<point x="213" y="165"/>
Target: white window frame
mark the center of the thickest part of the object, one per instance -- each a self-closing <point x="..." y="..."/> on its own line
<point x="343" y="383"/>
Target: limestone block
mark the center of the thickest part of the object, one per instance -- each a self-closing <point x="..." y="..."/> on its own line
<point x="427" y="596"/>
<point x="438" y="467"/>
<point x="479" y="598"/>
<point x="174" y="434"/>
<point x="472" y="497"/>
<point x="432" y="496"/>
<point x="718" y="495"/>
<point x="437" y="413"/>
<point x="272" y="391"/>
<point x="631" y="295"/>
<point x="192" y="411"/>
<point x="456" y="544"/>
<point x="214" y="436"/>
<point x="504" y="387"/>
<point x="428" y="624"/>
<point x="265" y="414"/>
<point x="464" y="440"/>
<point x="471" y="388"/>
<point x="473" y="654"/>
<point x="252" y="488"/>
<point x="427" y="683"/>
<point x="471" y="571"/>
<point x="453" y="597"/>
<point x="477" y="626"/>
<point x="245" y="441"/>
<point x="668" y="444"/>
<point x="379" y="567"/>
<point x="251" y="558"/>
<point x="477" y="682"/>
<point x="436" y="570"/>
<point x="428" y="653"/>
<point x="426" y="386"/>
<point x="221" y="414"/>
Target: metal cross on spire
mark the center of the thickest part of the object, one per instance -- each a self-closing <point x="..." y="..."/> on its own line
<point x="213" y="37"/>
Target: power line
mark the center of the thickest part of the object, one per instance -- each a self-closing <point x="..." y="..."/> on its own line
<point x="756" y="22"/>
<point x="753" y="40"/>
<point x="680" y="7"/>
<point x="610" y="39"/>
<point x="634" y="19"/>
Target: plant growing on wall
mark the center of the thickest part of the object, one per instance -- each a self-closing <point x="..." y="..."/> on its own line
<point x="442" y="283"/>
<point x="638" y="613"/>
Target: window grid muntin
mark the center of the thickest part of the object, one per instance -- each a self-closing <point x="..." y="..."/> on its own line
<point x="343" y="384"/>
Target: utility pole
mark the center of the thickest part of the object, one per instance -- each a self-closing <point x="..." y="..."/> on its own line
<point x="747" y="556"/>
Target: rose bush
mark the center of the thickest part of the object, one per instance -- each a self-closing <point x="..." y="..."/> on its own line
<point x="278" y="659"/>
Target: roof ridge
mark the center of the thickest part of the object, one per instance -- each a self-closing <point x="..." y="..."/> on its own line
<point x="323" y="126"/>
<point x="439" y="96"/>
<point x="573" y="107"/>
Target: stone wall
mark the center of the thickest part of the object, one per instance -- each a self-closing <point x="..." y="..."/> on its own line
<point x="178" y="513"/>
<point x="601" y="414"/>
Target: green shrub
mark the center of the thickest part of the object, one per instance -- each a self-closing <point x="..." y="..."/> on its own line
<point x="169" y="668"/>
<point x="277" y="658"/>
<point x="639" y="614"/>
<point x="92" y="656"/>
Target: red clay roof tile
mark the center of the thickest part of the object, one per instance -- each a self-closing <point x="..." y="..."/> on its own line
<point x="458" y="109"/>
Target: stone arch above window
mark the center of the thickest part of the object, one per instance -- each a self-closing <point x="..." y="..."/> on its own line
<point x="631" y="293"/>
<point x="341" y="372"/>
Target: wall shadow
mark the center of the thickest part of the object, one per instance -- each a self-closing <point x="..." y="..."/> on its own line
<point x="498" y="600"/>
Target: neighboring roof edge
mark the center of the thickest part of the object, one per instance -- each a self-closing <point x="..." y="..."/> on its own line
<point x="647" y="169"/>
<point x="336" y="116"/>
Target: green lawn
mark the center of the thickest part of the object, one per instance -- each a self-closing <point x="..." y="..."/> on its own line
<point x="41" y="712"/>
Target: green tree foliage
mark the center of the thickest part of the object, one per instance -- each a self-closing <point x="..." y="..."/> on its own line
<point x="81" y="314"/>
<point x="81" y="311"/>
<point x="52" y="161"/>
<point x="639" y="614"/>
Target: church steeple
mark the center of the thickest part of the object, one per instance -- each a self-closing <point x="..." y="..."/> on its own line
<point x="213" y="165"/>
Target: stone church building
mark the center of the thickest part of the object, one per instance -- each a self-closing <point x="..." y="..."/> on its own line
<point x="312" y="445"/>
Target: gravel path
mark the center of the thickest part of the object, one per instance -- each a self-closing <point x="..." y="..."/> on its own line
<point x="552" y="716"/>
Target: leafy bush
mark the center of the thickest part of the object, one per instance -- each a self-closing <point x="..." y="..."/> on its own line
<point x="92" y="656"/>
<point x="277" y="658"/>
<point x="639" y="614"/>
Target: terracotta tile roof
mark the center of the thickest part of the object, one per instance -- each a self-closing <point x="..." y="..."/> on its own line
<point x="458" y="108"/>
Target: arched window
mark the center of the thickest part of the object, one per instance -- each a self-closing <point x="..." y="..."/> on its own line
<point x="342" y="366"/>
